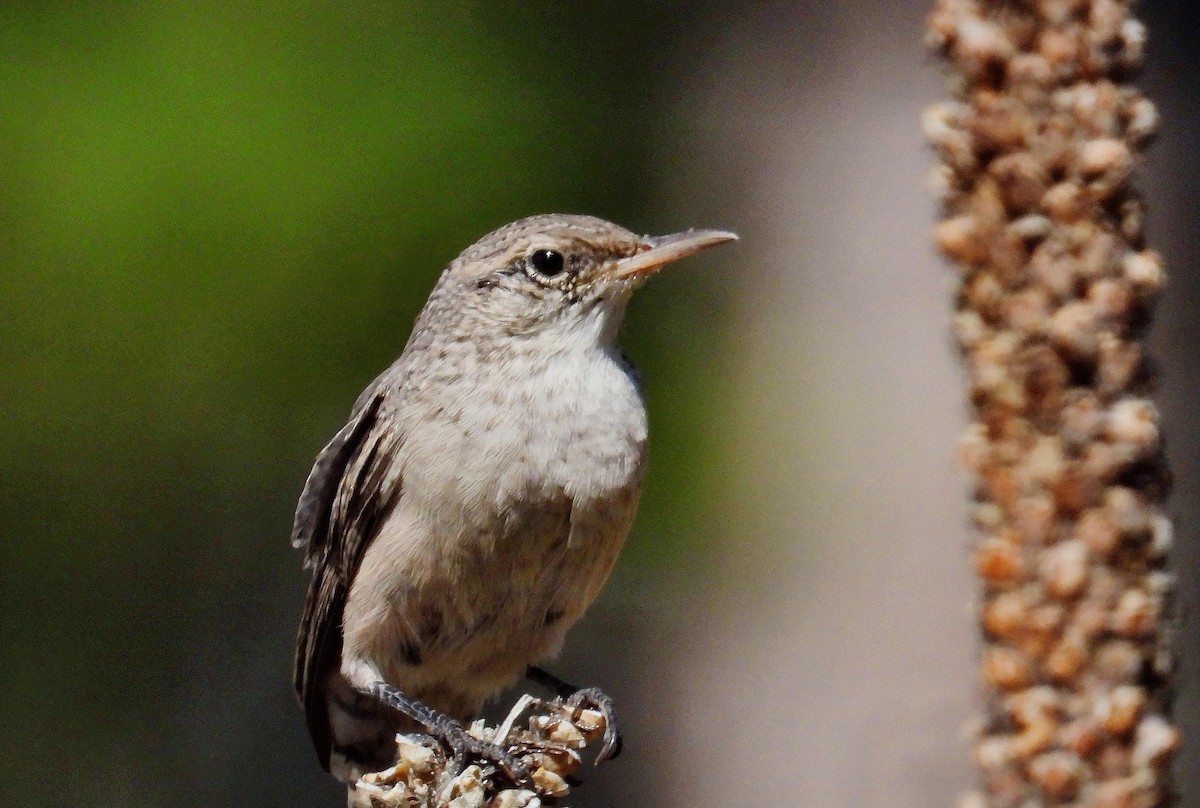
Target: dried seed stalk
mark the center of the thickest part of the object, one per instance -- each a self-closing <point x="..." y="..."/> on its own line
<point x="1055" y="289"/>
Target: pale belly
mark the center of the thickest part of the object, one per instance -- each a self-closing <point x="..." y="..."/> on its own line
<point x="503" y="535"/>
<point x="503" y="602"/>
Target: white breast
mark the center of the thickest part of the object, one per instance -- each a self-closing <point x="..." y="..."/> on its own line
<point x="572" y="422"/>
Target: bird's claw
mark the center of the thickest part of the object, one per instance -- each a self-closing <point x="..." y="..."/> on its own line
<point x="574" y="700"/>
<point x="596" y="699"/>
<point x="466" y="748"/>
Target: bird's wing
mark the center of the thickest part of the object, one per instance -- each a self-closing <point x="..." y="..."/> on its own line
<point x="353" y="484"/>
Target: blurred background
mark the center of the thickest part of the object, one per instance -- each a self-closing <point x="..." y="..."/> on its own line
<point x="217" y="222"/>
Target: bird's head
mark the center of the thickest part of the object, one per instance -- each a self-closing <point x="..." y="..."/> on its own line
<point x="560" y="273"/>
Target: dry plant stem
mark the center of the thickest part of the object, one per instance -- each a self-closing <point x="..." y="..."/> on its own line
<point x="1055" y="289"/>
<point x="553" y="735"/>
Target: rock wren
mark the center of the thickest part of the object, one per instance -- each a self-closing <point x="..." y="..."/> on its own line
<point x="476" y="501"/>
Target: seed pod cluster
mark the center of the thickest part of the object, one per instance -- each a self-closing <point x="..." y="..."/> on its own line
<point x="1055" y="288"/>
<point x="550" y="747"/>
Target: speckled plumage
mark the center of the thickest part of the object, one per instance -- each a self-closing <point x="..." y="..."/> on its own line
<point x="477" y="499"/>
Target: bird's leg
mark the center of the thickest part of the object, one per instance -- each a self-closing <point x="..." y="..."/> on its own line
<point x="576" y="699"/>
<point x="461" y="743"/>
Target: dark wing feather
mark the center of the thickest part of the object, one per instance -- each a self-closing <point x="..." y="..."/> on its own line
<point x="352" y="486"/>
<point x="310" y="530"/>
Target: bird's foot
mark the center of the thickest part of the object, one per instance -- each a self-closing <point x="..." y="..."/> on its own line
<point x="594" y="698"/>
<point x="576" y="700"/>
<point x="464" y="747"/>
<point x="534" y="752"/>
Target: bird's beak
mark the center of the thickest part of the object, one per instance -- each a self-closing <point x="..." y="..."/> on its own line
<point x="658" y="251"/>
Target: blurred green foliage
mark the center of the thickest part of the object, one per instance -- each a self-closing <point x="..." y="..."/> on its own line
<point x="217" y="221"/>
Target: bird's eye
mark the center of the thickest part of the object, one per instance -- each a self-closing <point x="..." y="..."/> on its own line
<point x="547" y="262"/>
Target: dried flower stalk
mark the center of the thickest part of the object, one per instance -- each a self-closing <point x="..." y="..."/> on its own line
<point x="550" y="746"/>
<point x="1055" y="290"/>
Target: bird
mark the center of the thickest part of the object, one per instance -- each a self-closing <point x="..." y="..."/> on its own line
<point x="476" y="500"/>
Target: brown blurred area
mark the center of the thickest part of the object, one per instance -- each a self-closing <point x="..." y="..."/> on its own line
<point x="218" y="225"/>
